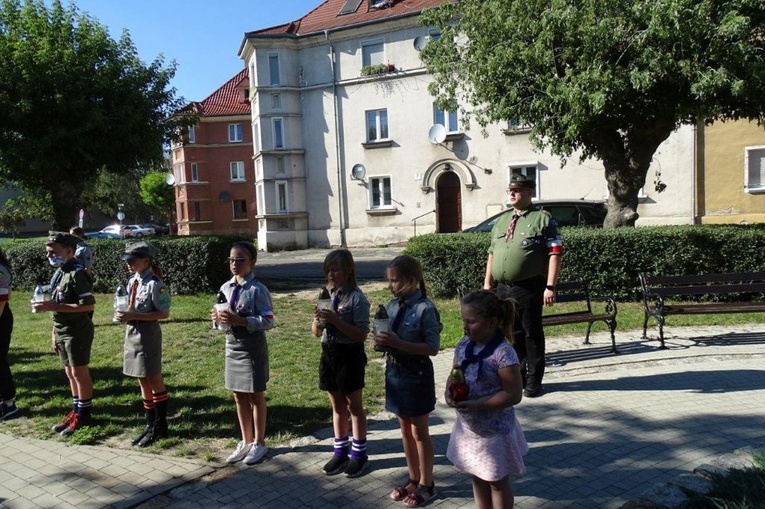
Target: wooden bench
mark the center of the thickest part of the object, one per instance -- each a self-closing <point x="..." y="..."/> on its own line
<point x="656" y="290"/>
<point x="576" y="291"/>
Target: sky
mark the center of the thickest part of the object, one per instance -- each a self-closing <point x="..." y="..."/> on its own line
<point x="202" y="36"/>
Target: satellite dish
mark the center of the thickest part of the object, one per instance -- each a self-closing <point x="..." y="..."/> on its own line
<point x="437" y="134"/>
<point x="224" y="196"/>
<point x="170" y="179"/>
<point x="358" y="172"/>
<point x="420" y="42"/>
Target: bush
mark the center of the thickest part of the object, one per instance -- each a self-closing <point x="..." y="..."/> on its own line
<point x="190" y="265"/>
<point x="609" y="260"/>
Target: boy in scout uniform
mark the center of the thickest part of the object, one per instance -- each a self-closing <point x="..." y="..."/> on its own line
<point x="524" y="264"/>
<point x="71" y="302"/>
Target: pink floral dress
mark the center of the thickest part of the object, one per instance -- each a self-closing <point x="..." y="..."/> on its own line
<point x="488" y="444"/>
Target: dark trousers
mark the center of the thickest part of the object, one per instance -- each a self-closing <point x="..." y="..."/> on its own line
<point x="7" y="387"/>
<point x="529" y="336"/>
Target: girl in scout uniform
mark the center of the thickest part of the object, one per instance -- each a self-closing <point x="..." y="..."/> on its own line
<point x="149" y="301"/>
<point x="410" y="387"/>
<point x="250" y="314"/>
<point x="7" y="387"/>
<point x="343" y="330"/>
<point x="72" y="302"/>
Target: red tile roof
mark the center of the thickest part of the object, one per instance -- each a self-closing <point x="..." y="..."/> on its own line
<point x="326" y="16"/>
<point x="228" y="99"/>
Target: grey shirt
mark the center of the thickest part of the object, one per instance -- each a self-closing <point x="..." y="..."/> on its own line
<point x="421" y="323"/>
<point x="353" y="308"/>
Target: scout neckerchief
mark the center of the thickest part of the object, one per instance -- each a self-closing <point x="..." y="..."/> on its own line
<point x="399" y="316"/>
<point x="511" y="227"/>
<point x="471" y="357"/>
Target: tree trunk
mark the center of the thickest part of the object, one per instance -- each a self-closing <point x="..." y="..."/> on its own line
<point x="626" y="158"/>
<point x="66" y="201"/>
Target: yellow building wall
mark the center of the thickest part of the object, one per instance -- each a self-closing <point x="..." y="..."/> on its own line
<point x="721" y="195"/>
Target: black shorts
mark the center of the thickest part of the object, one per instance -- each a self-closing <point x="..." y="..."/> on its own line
<point x="342" y="367"/>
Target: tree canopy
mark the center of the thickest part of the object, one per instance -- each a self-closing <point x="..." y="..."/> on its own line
<point x="610" y="79"/>
<point x="157" y="194"/>
<point x="74" y="102"/>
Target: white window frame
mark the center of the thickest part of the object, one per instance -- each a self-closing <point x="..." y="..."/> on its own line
<point x="260" y="205"/>
<point x="253" y="77"/>
<point x="180" y="171"/>
<point x="256" y="136"/>
<point x="233" y="209"/>
<point x="368" y="58"/>
<point x="525" y="169"/>
<point x="194" y="167"/>
<point x="237" y="171"/>
<point x="377" y="115"/>
<point x="192" y="136"/>
<point x="750" y="184"/>
<point x="282" y="197"/>
<point x="259" y="169"/>
<point x="446" y="119"/>
<point x="235" y="133"/>
<point x="377" y="183"/>
<point x="277" y="127"/>
<point x="273" y="77"/>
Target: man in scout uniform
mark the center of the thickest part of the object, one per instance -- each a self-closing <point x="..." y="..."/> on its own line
<point x="71" y="302"/>
<point x="524" y="264"/>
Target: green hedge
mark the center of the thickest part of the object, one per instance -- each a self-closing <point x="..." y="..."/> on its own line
<point x="609" y="260"/>
<point x="190" y="264"/>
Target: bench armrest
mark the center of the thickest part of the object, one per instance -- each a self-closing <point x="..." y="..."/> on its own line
<point x="610" y="306"/>
<point x="657" y="299"/>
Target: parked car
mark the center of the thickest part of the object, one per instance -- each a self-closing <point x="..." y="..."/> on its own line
<point x="103" y="235"/>
<point x="159" y="228"/>
<point x="566" y="213"/>
<point x="113" y="231"/>
<point x="141" y="231"/>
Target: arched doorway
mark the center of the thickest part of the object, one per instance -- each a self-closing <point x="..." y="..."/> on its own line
<point x="448" y="203"/>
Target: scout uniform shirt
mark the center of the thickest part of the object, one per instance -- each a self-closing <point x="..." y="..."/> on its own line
<point x="147" y="293"/>
<point x="253" y="301"/>
<point x="526" y="254"/>
<point x="352" y="307"/>
<point x="71" y="285"/>
<point x="421" y="322"/>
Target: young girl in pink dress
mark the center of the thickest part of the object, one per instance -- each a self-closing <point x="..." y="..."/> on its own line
<point x="487" y="441"/>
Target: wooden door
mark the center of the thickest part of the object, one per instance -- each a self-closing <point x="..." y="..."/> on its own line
<point x="448" y="203"/>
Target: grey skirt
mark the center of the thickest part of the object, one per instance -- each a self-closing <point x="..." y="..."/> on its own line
<point x="247" y="362"/>
<point x="143" y="349"/>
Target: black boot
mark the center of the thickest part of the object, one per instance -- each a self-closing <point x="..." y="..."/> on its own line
<point x="159" y="427"/>
<point x="151" y="416"/>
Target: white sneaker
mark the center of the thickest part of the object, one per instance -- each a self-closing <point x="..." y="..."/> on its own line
<point x="240" y="452"/>
<point x="256" y="454"/>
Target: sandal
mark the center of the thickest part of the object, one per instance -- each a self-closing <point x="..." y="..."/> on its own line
<point x="399" y="493"/>
<point x="420" y="496"/>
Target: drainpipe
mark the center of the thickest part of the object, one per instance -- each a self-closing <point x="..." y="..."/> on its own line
<point x="694" y="171"/>
<point x="340" y="182"/>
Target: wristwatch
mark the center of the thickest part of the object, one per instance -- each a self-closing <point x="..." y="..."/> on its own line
<point x="550" y="287"/>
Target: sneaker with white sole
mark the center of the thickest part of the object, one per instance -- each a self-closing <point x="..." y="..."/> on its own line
<point x="7" y="411"/>
<point x="336" y="465"/>
<point x="256" y="454"/>
<point x="356" y="467"/>
<point x="242" y="448"/>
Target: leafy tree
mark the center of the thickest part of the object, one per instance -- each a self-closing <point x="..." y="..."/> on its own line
<point x="157" y="194"/>
<point x="74" y="102"/>
<point x="610" y="79"/>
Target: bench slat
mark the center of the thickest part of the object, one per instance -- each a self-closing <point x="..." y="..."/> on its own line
<point x="707" y="289"/>
<point x="723" y="307"/>
<point x="704" y="278"/>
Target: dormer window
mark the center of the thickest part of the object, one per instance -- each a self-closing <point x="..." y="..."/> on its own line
<point x="349" y="7"/>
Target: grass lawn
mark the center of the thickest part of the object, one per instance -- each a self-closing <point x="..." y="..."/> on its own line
<point x="202" y="414"/>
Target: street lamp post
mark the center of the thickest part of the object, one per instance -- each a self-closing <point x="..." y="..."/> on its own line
<point x="120" y="215"/>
